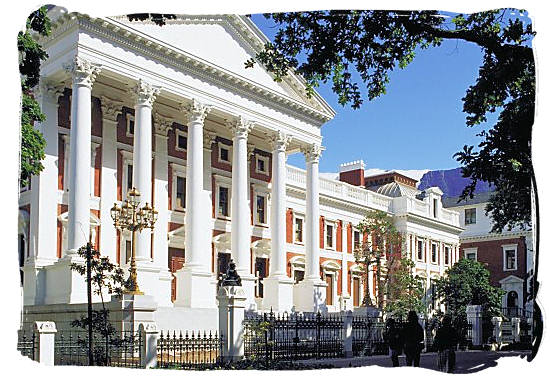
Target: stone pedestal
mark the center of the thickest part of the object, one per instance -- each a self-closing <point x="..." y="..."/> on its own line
<point x="345" y="302"/>
<point x="368" y="311"/>
<point x="497" y="329"/>
<point x="132" y="311"/>
<point x="45" y="335"/>
<point x="310" y="295"/>
<point x="65" y="286"/>
<point x="347" y="316"/>
<point x="149" y="337"/>
<point x="195" y="288"/>
<point x="516" y="329"/>
<point x="278" y="293"/>
<point x="232" y="301"/>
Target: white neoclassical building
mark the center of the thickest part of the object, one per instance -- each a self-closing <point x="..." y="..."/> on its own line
<point x="173" y="111"/>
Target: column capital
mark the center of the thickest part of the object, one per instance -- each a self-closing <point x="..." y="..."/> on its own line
<point x="208" y="138"/>
<point x="196" y="111"/>
<point x="239" y="126"/>
<point x="279" y="141"/>
<point x="110" y="108"/>
<point x="144" y="93"/>
<point x="312" y="152"/>
<point x="49" y="91"/>
<point x="82" y="71"/>
<point x="162" y="124"/>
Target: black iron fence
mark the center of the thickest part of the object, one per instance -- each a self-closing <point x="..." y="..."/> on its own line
<point x="292" y="336"/>
<point x="119" y="350"/>
<point x="26" y="343"/>
<point x="368" y="336"/>
<point x="189" y="351"/>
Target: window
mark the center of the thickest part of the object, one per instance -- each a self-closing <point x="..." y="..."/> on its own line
<point x="434" y="253"/>
<point x="329" y="230"/>
<point x="261" y="273"/>
<point x="181" y="140"/>
<point x="510" y="261"/>
<point x="447" y="254"/>
<point x="329" y="279"/>
<point x="260" y="209"/>
<point x="130" y="122"/>
<point x="469" y="216"/>
<point x="435" y="207"/>
<point x="470" y="254"/>
<point x="223" y="154"/>
<point x="223" y="263"/>
<point x="299" y="229"/>
<point x="223" y="201"/>
<point x="356" y="239"/>
<point x="180" y="192"/>
<point x="261" y="164"/>
<point x="298" y="276"/>
<point x="420" y="250"/>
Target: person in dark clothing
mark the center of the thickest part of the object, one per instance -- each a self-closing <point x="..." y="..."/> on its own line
<point x="413" y="339"/>
<point x="445" y="342"/>
<point x="393" y="338"/>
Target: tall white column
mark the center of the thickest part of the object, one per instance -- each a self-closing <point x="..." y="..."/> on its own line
<point x="43" y="211"/>
<point x="107" y="241"/>
<point x="160" y="241"/>
<point x="144" y="94"/>
<point x="278" y="286"/>
<point x="83" y="75"/>
<point x="63" y="284"/>
<point x="345" y="299"/>
<point x="196" y="286"/>
<point x="240" y="208"/>
<point x="312" y="154"/>
<point x="311" y="292"/>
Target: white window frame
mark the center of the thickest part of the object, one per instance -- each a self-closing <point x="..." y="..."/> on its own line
<point x="130" y="117"/>
<point x="178" y="171"/>
<point x="423" y="241"/>
<point x="179" y="133"/>
<point x="356" y="274"/>
<point x="333" y="225"/>
<point x="303" y="218"/>
<point x="261" y="191"/>
<point x="229" y="153"/>
<point x="297" y="264"/>
<point x="432" y="244"/>
<point x="334" y="274"/>
<point x="472" y="250"/>
<point x="510" y="247"/>
<point x="445" y="249"/>
<point x="223" y="181"/>
<point x="266" y="164"/>
<point x="475" y="211"/>
<point x="127" y="159"/>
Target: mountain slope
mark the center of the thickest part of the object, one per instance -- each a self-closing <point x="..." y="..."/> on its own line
<point x="450" y="182"/>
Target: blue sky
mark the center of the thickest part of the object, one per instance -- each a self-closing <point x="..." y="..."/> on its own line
<point x="417" y="124"/>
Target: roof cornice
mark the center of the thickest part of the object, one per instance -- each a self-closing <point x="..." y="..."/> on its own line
<point x="117" y="31"/>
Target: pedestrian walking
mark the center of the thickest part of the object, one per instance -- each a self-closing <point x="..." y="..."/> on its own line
<point x="393" y="338"/>
<point x="445" y="342"/>
<point x="413" y="339"/>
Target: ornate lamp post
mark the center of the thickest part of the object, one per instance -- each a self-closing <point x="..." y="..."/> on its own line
<point x="133" y="218"/>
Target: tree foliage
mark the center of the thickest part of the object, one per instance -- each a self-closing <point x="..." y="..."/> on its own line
<point x="347" y="47"/>
<point x="405" y="291"/>
<point x="379" y="252"/>
<point x="467" y="283"/>
<point x="31" y="54"/>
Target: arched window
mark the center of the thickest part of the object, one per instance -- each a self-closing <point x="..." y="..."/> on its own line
<point x="512" y="299"/>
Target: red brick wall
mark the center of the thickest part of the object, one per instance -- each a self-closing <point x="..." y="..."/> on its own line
<point x="60" y="162"/>
<point x="350" y="237"/>
<point x="321" y="232"/>
<point x="97" y="122"/>
<point x="353" y="177"/>
<point x="64" y="110"/>
<point x="339" y="235"/>
<point x="121" y="127"/>
<point x="215" y="162"/>
<point x="490" y="253"/>
<point x="289" y="225"/>
<point x="260" y="176"/>
<point x="289" y="256"/>
<point x="172" y="142"/>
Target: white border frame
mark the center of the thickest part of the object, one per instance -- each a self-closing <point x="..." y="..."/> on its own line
<point x="470" y="250"/>
<point x="178" y="171"/>
<point x="229" y="153"/>
<point x="180" y="133"/>
<point x="508" y="247"/>
<point x="130" y="117"/>
<point x="266" y="164"/>
<point x="222" y="181"/>
<point x="302" y="217"/>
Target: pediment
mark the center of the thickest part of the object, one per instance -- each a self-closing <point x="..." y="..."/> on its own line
<point x="226" y="42"/>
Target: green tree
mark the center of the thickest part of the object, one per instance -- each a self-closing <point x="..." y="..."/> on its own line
<point x="347" y="47"/>
<point x="379" y="252"/>
<point x="404" y="291"/>
<point x="103" y="276"/>
<point x="467" y="283"/>
<point x="31" y="55"/>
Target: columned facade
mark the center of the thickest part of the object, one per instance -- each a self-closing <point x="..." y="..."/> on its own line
<point x="278" y="286"/>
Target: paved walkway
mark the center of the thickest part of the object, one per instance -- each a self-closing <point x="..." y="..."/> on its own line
<point x="466" y="361"/>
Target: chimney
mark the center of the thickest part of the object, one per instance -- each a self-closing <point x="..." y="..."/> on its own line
<point x="353" y="173"/>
